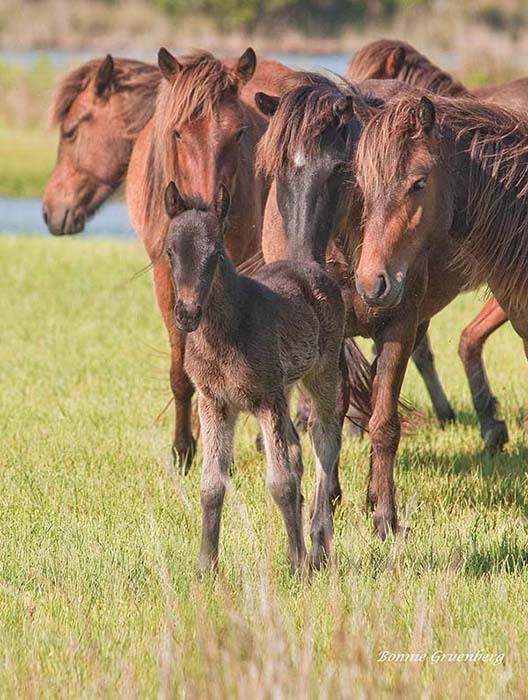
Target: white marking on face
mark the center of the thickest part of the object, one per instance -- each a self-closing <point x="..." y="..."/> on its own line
<point x="299" y="158"/>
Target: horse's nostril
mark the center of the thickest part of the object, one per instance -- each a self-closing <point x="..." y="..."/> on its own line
<point x="382" y="286"/>
<point x="45" y="215"/>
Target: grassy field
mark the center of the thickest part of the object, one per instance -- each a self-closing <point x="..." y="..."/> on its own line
<point x="98" y="595"/>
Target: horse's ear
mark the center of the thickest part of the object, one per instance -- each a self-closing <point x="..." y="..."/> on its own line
<point x="174" y="204"/>
<point x="394" y="62"/>
<point x="426" y="115"/>
<point x="344" y="109"/>
<point x="246" y="66"/>
<point x="222" y="202"/>
<point x="267" y="104"/>
<point x="168" y="65"/>
<point x="104" y="76"/>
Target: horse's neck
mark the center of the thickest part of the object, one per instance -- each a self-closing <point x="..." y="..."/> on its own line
<point x="244" y="228"/>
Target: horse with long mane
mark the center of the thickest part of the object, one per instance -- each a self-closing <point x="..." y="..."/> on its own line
<point x="100" y="108"/>
<point x="315" y="174"/>
<point x="391" y="58"/>
<point x="452" y="171"/>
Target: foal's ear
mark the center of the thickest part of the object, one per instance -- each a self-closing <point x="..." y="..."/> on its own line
<point x="168" y="65"/>
<point x="174" y="204"/>
<point x="394" y="62"/>
<point x="267" y="104"/>
<point x="246" y="66"/>
<point x="222" y="202"/>
<point x="104" y="76"/>
<point x="344" y="109"/>
<point x="426" y="115"/>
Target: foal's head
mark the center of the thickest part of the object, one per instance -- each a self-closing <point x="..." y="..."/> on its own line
<point x="201" y="123"/>
<point x="194" y="247"/>
<point x="96" y="107"/>
<point x="399" y="171"/>
<point x="306" y="149"/>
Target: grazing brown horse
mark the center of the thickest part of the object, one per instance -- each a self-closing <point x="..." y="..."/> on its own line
<point x="100" y="107"/>
<point x="248" y="341"/>
<point x="389" y="58"/>
<point x="203" y="133"/>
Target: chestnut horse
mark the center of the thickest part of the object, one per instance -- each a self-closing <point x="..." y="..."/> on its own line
<point x="450" y="173"/>
<point x="310" y="149"/>
<point x="389" y="58"/>
<point x="203" y="133"/>
<point x="100" y="107"/>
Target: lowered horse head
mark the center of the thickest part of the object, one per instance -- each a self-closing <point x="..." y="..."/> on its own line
<point x="398" y="60"/>
<point x="399" y="172"/>
<point x="194" y="246"/>
<point x="100" y="109"/>
<point x="307" y="149"/>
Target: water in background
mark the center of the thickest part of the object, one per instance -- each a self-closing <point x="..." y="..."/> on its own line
<point x="25" y="215"/>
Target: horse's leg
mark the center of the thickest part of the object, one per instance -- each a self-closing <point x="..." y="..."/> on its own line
<point x="424" y="360"/>
<point x="282" y="478"/>
<point x="184" y="445"/>
<point x="329" y="394"/>
<point x="493" y="431"/>
<point x="217" y="421"/>
<point x="396" y="344"/>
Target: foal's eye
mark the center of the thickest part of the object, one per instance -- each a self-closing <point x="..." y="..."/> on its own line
<point x="70" y="134"/>
<point x="418" y="185"/>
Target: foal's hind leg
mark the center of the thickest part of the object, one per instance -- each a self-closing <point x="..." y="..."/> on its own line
<point x="494" y="432"/>
<point x="184" y="446"/>
<point x="424" y="360"/>
<point x="217" y="421"/>
<point x="282" y="477"/>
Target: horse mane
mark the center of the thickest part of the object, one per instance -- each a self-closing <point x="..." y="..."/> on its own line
<point x="304" y="112"/>
<point x="416" y="69"/>
<point x="140" y="79"/>
<point x="197" y="90"/>
<point x="492" y="142"/>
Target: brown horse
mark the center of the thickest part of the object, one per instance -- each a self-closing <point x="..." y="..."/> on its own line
<point x="313" y="156"/>
<point x="203" y="133"/>
<point x="388" y="58"/>
<point x="249" y="340"/>
<point x="438" y="171"/>
<point x="100" y="107"/>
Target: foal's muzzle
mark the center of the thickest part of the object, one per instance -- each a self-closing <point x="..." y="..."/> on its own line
<point x="383" y="291"/>
<point x="187" y="316"/>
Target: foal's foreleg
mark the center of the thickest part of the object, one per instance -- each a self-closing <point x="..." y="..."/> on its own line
<point x="396" y="345"/>
<point x="283" y="477"/>
<point x="217" y="422"/>
<point x="493" y="431"/>
<point x="184" y="445"/>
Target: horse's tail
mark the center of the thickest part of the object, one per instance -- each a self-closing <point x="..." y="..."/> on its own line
<point x="359" y="374"/>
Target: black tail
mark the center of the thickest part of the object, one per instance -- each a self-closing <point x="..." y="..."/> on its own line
<point x="359" y="373"/>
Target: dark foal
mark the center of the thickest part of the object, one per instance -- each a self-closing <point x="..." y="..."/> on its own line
<point x="249" y="341"/>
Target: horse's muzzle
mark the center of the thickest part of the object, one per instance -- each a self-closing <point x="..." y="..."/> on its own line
<point x="384" y="291"/>
<point x="63" y="220"/>
<point x="187" y="316"/>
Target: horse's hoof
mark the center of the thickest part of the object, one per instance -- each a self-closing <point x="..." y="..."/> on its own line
<point x="384" y="524"/>
<point x="496" y="437"/>
<point x="259" y="443"/>
<point x="183" y="455"/>
<point x="446" y="418"/>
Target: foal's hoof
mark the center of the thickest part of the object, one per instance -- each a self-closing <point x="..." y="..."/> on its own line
<point x="496" y="437"/>
<point x="206" y="566"/>
<point x="445" y="418"/>
<point x="183" y="455"/>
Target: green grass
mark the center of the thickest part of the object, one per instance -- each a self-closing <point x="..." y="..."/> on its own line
<point x="99" y="535"/>
<point x="27" y="157"/>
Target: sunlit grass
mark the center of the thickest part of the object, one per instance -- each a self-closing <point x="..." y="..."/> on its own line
<point x="99" y="535"/>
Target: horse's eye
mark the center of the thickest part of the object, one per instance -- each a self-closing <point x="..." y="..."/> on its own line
<point x="176" y="135"/>
<point x="71" y="133"/>
<point x="418" y="184"/>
